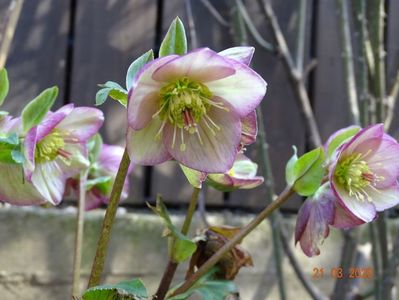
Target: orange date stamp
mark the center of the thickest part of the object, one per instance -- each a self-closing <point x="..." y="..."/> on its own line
<point x="340" y="273"/>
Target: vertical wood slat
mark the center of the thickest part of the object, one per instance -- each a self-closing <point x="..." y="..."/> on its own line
<point x="109" y="35"/>
<point x="36" y="59"/>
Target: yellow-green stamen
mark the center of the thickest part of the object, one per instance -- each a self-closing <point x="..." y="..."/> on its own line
<point x="49" y="147"/>
<point x="184" y="103"/>
<point x="354" y="174"/>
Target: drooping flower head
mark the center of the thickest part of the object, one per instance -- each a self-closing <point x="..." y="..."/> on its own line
<point x="241" y="176"/>
<point x="54" y="150"/>
<point x="101" y="177"/>
<point x="191" y="107"/>
<point x="365" y="172"/>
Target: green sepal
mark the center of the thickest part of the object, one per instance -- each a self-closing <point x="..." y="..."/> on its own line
<point x="4" y="85"/>
<point x="209" y="288"/>
<point x="136" y="66"/>
<point x="181" y="247"/>
<point x="126" y="290"/>
<point x="113" y="90"/>
<point x="37" y="109"/>
<point x="307" y="172"/>
<point x="194" y="177"/>
<point x="175" y="41"/>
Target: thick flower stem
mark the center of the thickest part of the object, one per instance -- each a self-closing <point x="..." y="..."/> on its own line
<point x="109" y="218"/>
<point x="77" y="260"/>
<point x="171" y="268"/>
<point x="280" y="200"/>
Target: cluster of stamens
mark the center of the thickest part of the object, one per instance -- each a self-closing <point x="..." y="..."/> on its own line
<point x="354" y="174"/>
<point x="184" y="103"/>
<point x="50" y="147"/>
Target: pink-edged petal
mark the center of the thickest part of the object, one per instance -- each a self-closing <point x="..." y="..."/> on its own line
<point x="144" y="95"/>
<point x="15" y="190"/>
<point x="49" y="180"/>
<point x="82" y="123"/>
<point x="202" y="65"/>
<point x="110" y="157"/>
<point x="94" y="199"/>
<point x="241" y="54"/>
<point x="363" y="210"/>
<point x="344" y="219"/>
<point x="243" y="91"/>
<point x="383" y="160"/>
<point x="75" y="161"/>
<point x="384" y="198"/>
<point x="217" y="152"/>
<point x="314" y="218"/>
<point x="249" y="126"/>
<point x="373" y="131"/>
<point x="52" y="120"/>
<point x="249" y="183"/>
<point x="29" y="151"/>
<point x="144" y="147"/>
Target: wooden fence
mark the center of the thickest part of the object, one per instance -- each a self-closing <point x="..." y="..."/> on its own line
<point x="77" y="44"/>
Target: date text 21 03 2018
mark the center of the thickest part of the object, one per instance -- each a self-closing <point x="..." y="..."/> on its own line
<point x="339" y="273"/>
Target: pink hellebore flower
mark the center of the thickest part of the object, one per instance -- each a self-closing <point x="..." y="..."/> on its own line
<point x="191" y="108"/>
<point x="101" y="177"/>
<point x="55" y="150"/>
<point x="241" y="176"/>
<point x="364" y="174"/>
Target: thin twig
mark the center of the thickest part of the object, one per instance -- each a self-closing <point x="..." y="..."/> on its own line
<point x="296" y="77"/>
<point x="376" y="261"/>
<point x="391" y="102"/>
<point x="252" y="29"/>
<point x="77" y="259"/>
<point x="109" y="218"/>
<point x="301" y="40"/>
<point x="215" y="13"/>
<point x="191" y="25"/>
<point x="280" y="200"/>
<point x="348" y="61"/>
<point x="171" y="267"/>
<point x="8" y="29"/>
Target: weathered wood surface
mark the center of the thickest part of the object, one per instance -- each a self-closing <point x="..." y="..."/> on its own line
<point x="109" y="34"/>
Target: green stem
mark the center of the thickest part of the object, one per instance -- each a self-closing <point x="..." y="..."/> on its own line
<point x="109" y="218"/>
<point x="77" y="259"/>
<point x="280" y="200"/>
<point x="171" y="267"/>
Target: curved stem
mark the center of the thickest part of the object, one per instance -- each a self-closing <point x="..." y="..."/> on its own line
<point x="77" y="259"/>
<point x="109" y="218"/>
<point x="171" y="268"/>
<point x="284" y="196"/>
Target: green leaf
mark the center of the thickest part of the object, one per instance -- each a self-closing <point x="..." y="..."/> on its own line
<point x="36" y="110"/>
<point x="10" y="149"/>
<point x="209" y="288"/>
<point x="126" y="290"/>
<point x="289" y="169"/>
<point x="308" y="172"/>
<point x="175" y="41"/>
<point x="97" y="181"/>
<point x="341" y="138"/>
<point x="113" y="90"/>
<point x="194" y="177"/>
<point x="181" y="247"/>
<point x="94" y="146"/>
<point x="17" y="156"/>
<point x="136" y="66"/>
<point x="4" y="85"/>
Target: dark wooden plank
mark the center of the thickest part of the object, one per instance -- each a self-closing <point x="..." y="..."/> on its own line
<point x="37" y="55"/>
<point x="109" y="36"/>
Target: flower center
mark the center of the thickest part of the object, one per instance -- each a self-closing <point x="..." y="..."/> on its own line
<point x="49" y="147"/>
<point x="184" y="103"/>
<point x="354" y="174"/>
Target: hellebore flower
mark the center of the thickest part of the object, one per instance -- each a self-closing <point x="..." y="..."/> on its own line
<point x="101" y="177"/>
<point x="364" y="174"/>
<point x="54" y="150"/>
<point x="190" y="108"/>
<point x="314" y="218"/>
<point x="241" y="176"/>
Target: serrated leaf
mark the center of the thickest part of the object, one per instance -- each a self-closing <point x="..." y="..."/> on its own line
<point x="309" y="172"/>
<point x="113" y="90"/>
<point x="341" y="138"/>
<point x="136" y="66"/>
<point x="37" y="109"/>
<point x="289" y="169"/>
<point x="181" y="247"/>
<point x="127" y="290"/>
<point x="194" y="177"/>
<point x="4" y="85"/>
<point x="209" y="288"/>
<point x="175" y="41"/>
